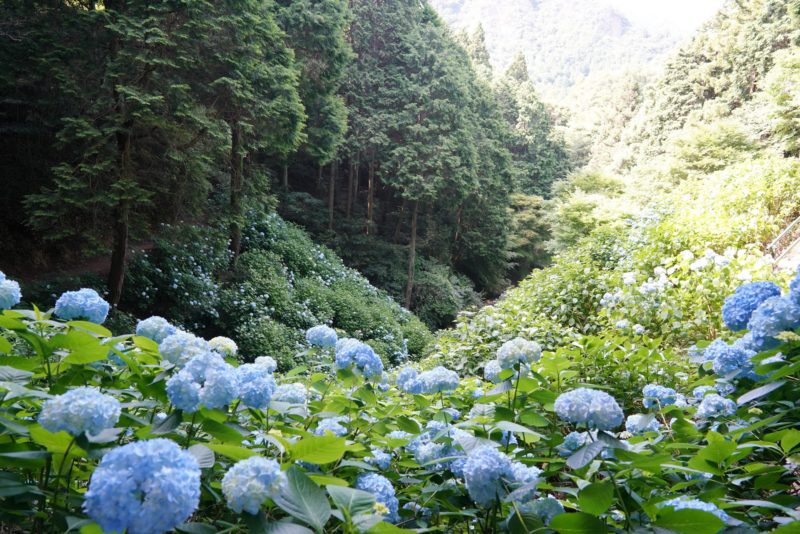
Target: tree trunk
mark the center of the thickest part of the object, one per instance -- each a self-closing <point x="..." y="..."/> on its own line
<point x="319" y="178"/>
<point x="331" y="194"/>
<point x="370" y="195"/>
<point x="285" y="177"/>
<point x="350" y="174"/>
<point x="412" y="256"/>
<point x="399" y="226"/>
<point x="119" y="249"/>
<point x="236" y="191"/>
<point x="356" y="184"/>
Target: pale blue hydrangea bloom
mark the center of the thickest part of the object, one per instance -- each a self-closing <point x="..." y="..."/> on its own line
<point x="250" y="482"/>
<point x="294" y="393"/>
<point x="332" y="425"/>
<point x="145" y="487"/>
<point x="256" y="385"/>
<point x="488" y="472"/>
<point x="155" y="328"/>
<point x="382" y="489"/>
<point x="181" y="347"/>
<point x="773" y="316"/>
<point x="83" y="409"/>
<point x="700" y="391"/>
<point x="623" y="324"/>
<point x="724" y="387"/>
<point x="10" y="294"/>
<point x="205" y="380"/>
<point x="224" y="346"/>
<point x="715" y="406"/>
<point x="453" y="414"/>
<point x="407" y="381"/>
<point x="739" y="306"/>
<point x="322" y="336"/>
<point x="434" y="381"/>
<point x="572" y="442"/>
<point x="730" y="360"/>
<point x="656" y="396"/>
<point x="268" y="362"/>
<point x="360" y="356"/>
<point x="686" y="503"/>
<point x="592" y="407"/>
<point x="428" y="454"/>
<point x="380" y="459"/>
<point x="492" y="370"/>
<point x="545" y="508"/>
<point x="638" y="330"/>
<point x="641" y="423"/>
<point x="398" y="434"/>
<point x="82" y="304"/>
<point x="526" y="477"/>
<point x="518" y="351"/>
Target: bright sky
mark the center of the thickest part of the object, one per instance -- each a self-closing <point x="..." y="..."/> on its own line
<point x="679" y="16"/>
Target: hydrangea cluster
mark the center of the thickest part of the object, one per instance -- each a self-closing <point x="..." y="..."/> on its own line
<point x="83" y="409"/>
<point x="656" y="396"/>
<point x="382" y="489"/>
<point x="353" y="353"/>
<point x="379" y="458"/>
<point x="518" y="351"/>
<point x="773" y="316"/>
<point x="144" y="487"/>
<point x="332" y="425"/>
<point x="256" y="385"/>
<point x="82" y="304"/>
<point x="730" y="360"/>
<point x="641" y="423"/>
<point x="294" y="393"/>
<point x="224" y="346"/>
<point x="181" y="347"/>
<point x="206" y="380"/>
<point x="322" y="336"/>
<point x="739" y="307"/>
<point x="545" y="509"/>
<point x="268" y="362"/>
<point x="572" y="442"/>
<point x="10" y="294"/>
<point x="492" y="370"/>
<point x="436" y="380"/>
<point x="487" y="472"/>
<point x="250" y="482"/>
<point x="686" y="503"/>
<point x="714" y="405"/>
<point x="155" y="328"/>
<point x="700" y="391"/>
<point x="592" y="407"/>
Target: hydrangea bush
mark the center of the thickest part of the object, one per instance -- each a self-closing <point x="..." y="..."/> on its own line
<point x="134" y="433"/>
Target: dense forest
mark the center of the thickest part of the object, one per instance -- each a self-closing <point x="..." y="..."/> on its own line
<point x="297" y="266"/>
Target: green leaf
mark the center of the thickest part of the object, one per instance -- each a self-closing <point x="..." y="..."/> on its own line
<point x="386" y="528"/>
<point x="91" y="327"/>
<point x="523" y="522"/>
<point x="304" y="500"/>
<point x="688" y="521"/>
<point x="318" y="449"/>
<point x="596" y="498"/>
<point x="146" y="344"/>
<point x="759" y="392"/>
<point x="514" y="427"/>
<point x="327" y="480"/>
<point x="577" y="523"/>
<point x="12" y="374"/>
<point x="583" y="456"/>
<point x="222" y="432"/>
<point x="790" y="440"/>
<point x="56" y="442"/>
<point x="5" y="346"/>
<point x="196" y="528"/>
<point x="284" y="527"/>
<point x="407" y="424"/>
<point x="203" y="455"/>
<point x="231" y="451"/>
<point x="169" y="424"/>
<point x="351" y="500"/>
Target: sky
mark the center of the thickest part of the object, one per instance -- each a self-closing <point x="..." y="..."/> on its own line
<point x="679" y="16"/>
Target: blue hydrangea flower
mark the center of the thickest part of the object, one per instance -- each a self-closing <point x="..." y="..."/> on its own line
<point x="428" y="454"/>
<point x="10" y="294"/>
<point x="453" y="414"/>
<point x="545" y="509"/>
<point x="518" y="351"/>
<point x="592" y="407"/>
<point x="294" y="393"/>
<point x="83" y="409"/>
<point x="155" y="328"/>
<point x="438" y="379"/>
<point x="382" y="489"/>
<point x="526" y="477"/>
<point x="488" y="472"/>
<point x="354" y="353"/>
<point x="82" y="304"/>
<point x="250" y="482"/>
<point x="407" y="381"/>
<point x="181" y="347"/>
<point x="638" y="330"/>
<point x="724" y="387"/>
<point x="322" y="336"/>
<point x="398" y="434"/>
<point x="380" y="459"/>
<point x="256" y="385"/>
<point x="333" y="425"/>
<point x="572" y="442"/>
<point x="700" y="391"/>
<point x="268" y="362"/>
<point x="656" y="396"/>
<point x="225" y="346"/>
<point x="492" y="370"/>
<point x="205" y="380"/>
<point x="714" y="405"/>
<point x="641" y="423"/>
<point x="773" y="316"/>
<point x="733" y="361"/>
<point x="145" y="487"/>
<point x="738" y="308"/>
<point x="686" y="503"/>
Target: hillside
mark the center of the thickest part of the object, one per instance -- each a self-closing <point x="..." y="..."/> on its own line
<point x="564" y="41"/>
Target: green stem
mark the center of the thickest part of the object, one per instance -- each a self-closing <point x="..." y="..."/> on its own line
<point x="190" y="431"/>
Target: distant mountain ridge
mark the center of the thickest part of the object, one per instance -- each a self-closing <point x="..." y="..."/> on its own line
<point x="564" y="41"/>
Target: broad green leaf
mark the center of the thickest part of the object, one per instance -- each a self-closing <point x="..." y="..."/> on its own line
<point x="318" y="449"/>
<point x="169" y="424"/>
<point x="351" y="500"/>
<point x="5" y="346"/>
<point x="56" y="442"/>
<point x="583" y="456"/>
<point x="689" y="521"/>
<point x="790" y="440"/>
<point x="196" y="528"/>
<point x="577" y="523"/>
<point x="203" y="455"/>
<point x="304" y="500"/>
<point x="91" y="327"/>
<point x="596" y="498"/>
<point x="222" y="432"/>
<point x="327" y="480"/>
<point x="523" y="522"/>
<point x="231" y="451"/>
<point x="386" y="528"/>
<point x="759" y="392"/>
